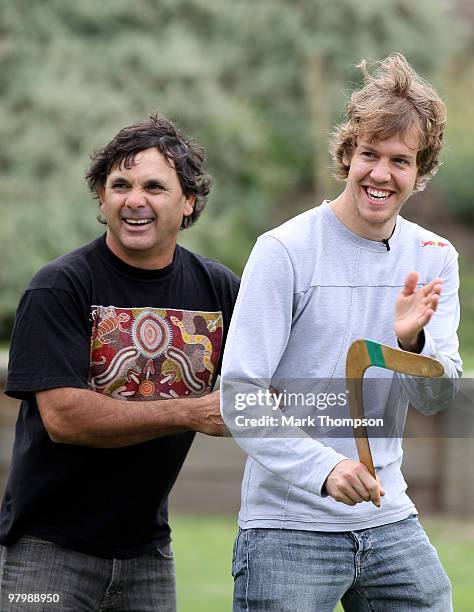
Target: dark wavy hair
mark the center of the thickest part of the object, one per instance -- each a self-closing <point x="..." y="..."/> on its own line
<point x="392" y="100"/>
<point x="187" y="157"/>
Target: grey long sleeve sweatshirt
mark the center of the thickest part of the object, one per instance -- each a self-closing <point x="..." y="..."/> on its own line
<point x="309" y="289"/>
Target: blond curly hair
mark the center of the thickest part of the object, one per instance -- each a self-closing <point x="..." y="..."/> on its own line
<point x="392" y="100"/>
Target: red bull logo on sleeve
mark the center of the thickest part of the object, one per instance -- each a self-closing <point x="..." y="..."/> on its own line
<point x="437" y="243"/>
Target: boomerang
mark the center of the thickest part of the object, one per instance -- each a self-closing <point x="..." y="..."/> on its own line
<point x="365" y="353"/>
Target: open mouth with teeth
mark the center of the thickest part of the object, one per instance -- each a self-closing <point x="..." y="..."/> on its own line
<point x="377" y="195"/>
<point x="137" y="222"/>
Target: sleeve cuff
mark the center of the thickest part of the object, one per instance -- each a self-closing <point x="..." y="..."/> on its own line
<point x="317" y="484"/>
<point x="429" y="347"/>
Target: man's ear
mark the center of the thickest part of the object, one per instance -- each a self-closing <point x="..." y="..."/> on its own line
<point x="188" y="207"/>
<point x="346" y="159"/>
<point x="348" y="149"/>
<point x="100" y="195"/>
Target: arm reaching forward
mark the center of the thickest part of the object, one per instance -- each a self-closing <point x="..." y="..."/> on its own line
<point x="83" y="417"/>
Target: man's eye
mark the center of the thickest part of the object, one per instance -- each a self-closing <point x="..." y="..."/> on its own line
<point x="402" y="162"/>
<point x="368" y="154"/>
<point x="119" y="186"/>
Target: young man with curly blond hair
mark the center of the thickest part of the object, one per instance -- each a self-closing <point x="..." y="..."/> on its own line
<point x="349" y="268"/>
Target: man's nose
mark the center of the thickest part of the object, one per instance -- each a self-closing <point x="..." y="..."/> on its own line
<point x="380" y="173"/>
<point x="135" y="198"/>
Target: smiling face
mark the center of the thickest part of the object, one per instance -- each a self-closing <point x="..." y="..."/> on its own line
<point x="381" y="178"/>
<point x="144" y="206"/>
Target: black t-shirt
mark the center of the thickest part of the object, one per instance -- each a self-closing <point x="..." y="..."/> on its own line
<point x="88" y="320"/>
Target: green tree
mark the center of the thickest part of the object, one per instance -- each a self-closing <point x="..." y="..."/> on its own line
<point x="455" y="179"/>
<point x="258" y="83"/>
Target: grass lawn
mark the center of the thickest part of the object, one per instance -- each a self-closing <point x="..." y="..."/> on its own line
<point x="203" y="549"/>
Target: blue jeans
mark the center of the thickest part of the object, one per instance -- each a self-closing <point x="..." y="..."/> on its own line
<point x="76" y="582"/>
<point x="388" y="568"/>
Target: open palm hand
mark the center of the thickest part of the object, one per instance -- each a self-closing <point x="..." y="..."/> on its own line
<point x="414" y="309"/>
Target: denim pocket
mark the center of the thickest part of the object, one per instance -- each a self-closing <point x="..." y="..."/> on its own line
<point x="239" y="553"/>
<point x="234" y="551"/>
<point x="30" y="539"/>
<point x="165" y="551"/>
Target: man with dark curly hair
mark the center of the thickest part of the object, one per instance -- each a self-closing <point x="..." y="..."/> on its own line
<point x="350" y="268"/>
<point x="114" y="355"/>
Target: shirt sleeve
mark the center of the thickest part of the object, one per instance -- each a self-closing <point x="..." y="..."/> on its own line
<point x="431" y="395"/>
<point x="50" y="343"/>
<point x="228" y="288"/>
<point x="256" y="342"/>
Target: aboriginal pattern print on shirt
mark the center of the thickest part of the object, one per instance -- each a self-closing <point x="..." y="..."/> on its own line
<point x="153" y="353"/>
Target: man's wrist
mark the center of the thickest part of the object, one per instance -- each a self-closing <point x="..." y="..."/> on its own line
<point x="183" y="417"/>
<point x="412" y="345"/>
<point x="188" y="415"/>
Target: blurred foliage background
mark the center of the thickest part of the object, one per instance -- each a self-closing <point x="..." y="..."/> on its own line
<point x="259" y="84"/>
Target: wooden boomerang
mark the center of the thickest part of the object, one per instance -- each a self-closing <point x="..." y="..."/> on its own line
<point x="365" y="353"/>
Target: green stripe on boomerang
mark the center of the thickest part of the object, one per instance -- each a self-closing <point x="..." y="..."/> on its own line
<point x="375" y="353"/>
